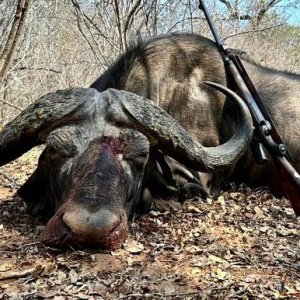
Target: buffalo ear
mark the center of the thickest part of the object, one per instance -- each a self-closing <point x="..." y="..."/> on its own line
<point x="36" y="192"/>
<point x="31" y="127"/>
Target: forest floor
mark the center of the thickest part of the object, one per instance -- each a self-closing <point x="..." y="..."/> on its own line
<point x="245" y="245"/>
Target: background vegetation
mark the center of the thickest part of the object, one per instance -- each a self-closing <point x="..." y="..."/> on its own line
<point x="49" y="45"/>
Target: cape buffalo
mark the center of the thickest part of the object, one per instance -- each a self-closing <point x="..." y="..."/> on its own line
<point x="107" y="149"/>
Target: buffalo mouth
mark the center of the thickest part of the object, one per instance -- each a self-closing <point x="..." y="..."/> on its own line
<point x="58" y="234"/>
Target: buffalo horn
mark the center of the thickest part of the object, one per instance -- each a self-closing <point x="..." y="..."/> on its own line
<point x="31" y="127"/>
<point x="164" y="131"/>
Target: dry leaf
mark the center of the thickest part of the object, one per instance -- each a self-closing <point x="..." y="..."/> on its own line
<point x="5" y="267"/>
<point x="59" y="298"/>
<point x="264" y="229"/>
<point x="82" y="296"/>
<point x="73" y="276"/>
<point x="134" y="247"/>
<point x="195" y="271"/>
<point x="209" y="201"/>
<point x="37" y="271"/>
<point x="216" y="259"/>
<point x="221" y="200"/>
<point x="259" y="214"/>
<point x="221" y="275"/>
<point x="193" y="209"/>
<point x="61" y="276"/>
<point x="193" y="249"/>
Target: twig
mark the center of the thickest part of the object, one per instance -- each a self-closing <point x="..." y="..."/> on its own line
<point x="38" y="69"/>
<point x="16" y="275"/>
<point x="31" y="244"/>
<point x="129" y="19"/>
<point x="244" y="258"/>
<point x="251" y="31"/>
<point x="12" y="105"/>
<point x="165" y="296"/>
<point x="129" y="296"/>
<point x="183" y="294"/>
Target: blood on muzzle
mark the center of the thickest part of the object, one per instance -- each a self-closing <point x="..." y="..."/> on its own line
<point x="80" y="228"/>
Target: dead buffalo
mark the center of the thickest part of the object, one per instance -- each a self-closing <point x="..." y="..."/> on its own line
<point x="106" y="151"/>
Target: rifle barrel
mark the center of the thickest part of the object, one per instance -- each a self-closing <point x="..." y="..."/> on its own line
<point x="246" y="95"/>
<point x="211" y="25"/>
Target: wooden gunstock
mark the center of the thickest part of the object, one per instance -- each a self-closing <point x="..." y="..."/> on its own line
<point x="290" y="182"/>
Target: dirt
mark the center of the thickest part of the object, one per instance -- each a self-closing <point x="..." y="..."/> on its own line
<point x="245" y="245"/>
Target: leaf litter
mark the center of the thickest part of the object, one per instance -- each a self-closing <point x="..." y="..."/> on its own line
<point x="244" y="245"/>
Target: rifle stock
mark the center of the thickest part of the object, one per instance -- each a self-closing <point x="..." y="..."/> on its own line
<point x="265" y="130"/>
<point x="290" y="182"/>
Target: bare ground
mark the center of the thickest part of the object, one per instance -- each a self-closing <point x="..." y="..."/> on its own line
<point x="243" y="246"/>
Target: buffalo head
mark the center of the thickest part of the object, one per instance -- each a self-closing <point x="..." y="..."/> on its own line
<point x="97" y="145"/>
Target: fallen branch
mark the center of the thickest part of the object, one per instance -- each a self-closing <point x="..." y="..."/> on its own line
<point x="16" y="275"/>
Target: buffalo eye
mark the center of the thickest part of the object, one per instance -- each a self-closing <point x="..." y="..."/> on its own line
<point x="137" y="159"/>
<point x="141" y="159"/>
<point x="62" y="152"/>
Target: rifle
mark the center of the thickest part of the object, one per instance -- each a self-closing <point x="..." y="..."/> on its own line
<point x="265" y="132"/>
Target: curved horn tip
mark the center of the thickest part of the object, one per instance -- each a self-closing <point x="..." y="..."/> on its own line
<point x="225" y="90"/>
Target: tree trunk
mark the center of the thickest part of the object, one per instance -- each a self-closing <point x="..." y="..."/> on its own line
<point x="13" y="37"/>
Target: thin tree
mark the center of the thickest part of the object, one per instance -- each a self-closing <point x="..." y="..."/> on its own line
<point x="13" y="37"/>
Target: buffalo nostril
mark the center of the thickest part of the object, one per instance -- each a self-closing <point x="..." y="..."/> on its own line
<point x="56" y="232"/>
<point x="80" y="227"/>
<point x="84" y="222"/>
